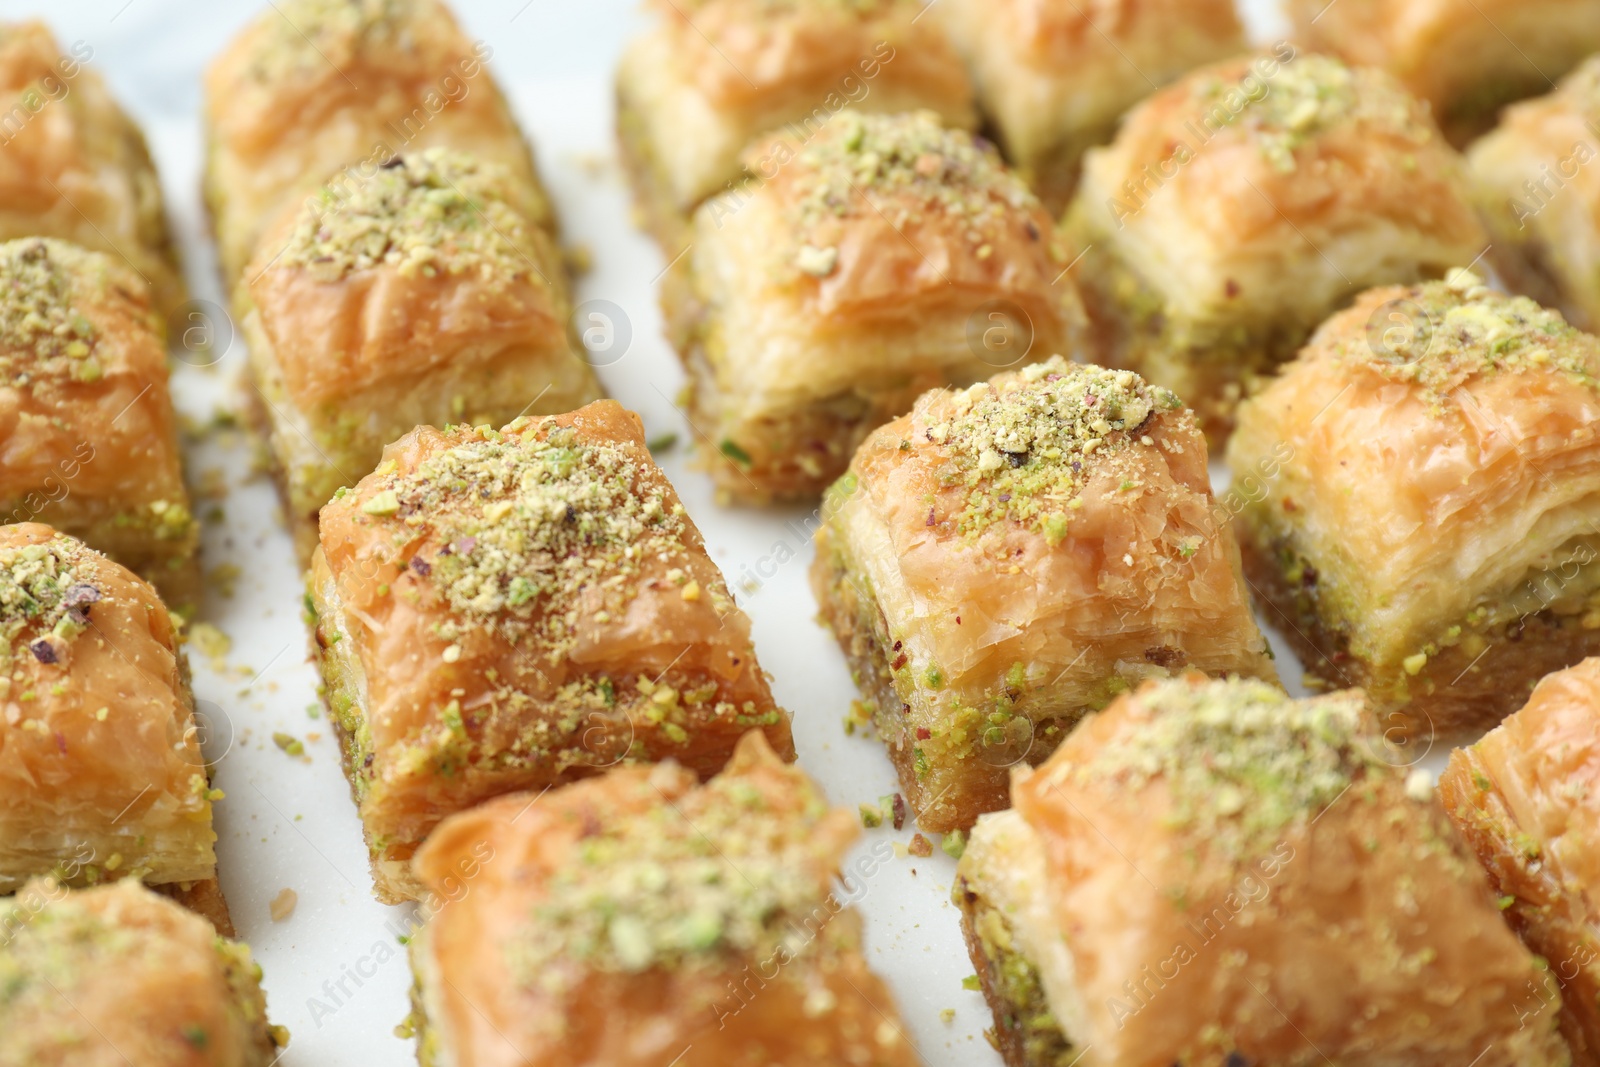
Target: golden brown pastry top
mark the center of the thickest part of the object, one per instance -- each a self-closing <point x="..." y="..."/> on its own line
<point x="67" y="107"/>
<point x="426" y="257"/>
<point x="1050" y="31"/>
<point x="880" y="209"/>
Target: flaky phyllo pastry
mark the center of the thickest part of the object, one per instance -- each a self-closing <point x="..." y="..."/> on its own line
<point x="711" y="76"/>
<point x="1467" y="58"/>
<point x="888" y="255"/>
<point x="640" y="919"/>
<point x="1006" y="558"/>
<point x="101" y="773"/>
<point x="503" y="610"/>
<point x="1055" y="77"/>
<point x="1527" y="798"/>
<point x="119" y="977"/>
<point x="1240" y="207"/>
<point x="88" y="439"/>
<point x="422" y="298"/>
<point x="1541" y="195"/>
<point x="324" y="92"/>
<point x="74" y="166"/>
<point x="1213" y="874"/>
<point x="1430" y="532"/>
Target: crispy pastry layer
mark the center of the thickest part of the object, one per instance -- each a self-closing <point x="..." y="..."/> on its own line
<point x="1428" y="483"/>
<point x="1007" y="558"/>
<point x="319" y="91"/>
<point x="74" y="166"/>
<point x="518" y="609"/>
<point x="630" y="919"/>
<point x="119" y="977"/>
<point x="1526" y="798"/>
<point x="88" y="440"/>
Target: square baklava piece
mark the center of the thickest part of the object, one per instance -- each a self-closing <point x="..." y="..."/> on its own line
<point x="890" y="255"/>
<point x="101" y="772"/>
<point x="1210" y="873"/>
<point x="711" y="76"/>
<point x="1054" y="78"/>
<point x="1008" y="558"/>
<point x="1467" y="58"/>
<point x="1527" y="798"/>
<point x="88" y="438"/>
<point x="642" y="918"/>
<point x="1428" y="529"/>
<point x="515" y="609"/>
<point x="1240" y="207"/>
<point x="425" y="298"/>
<point x="74" y="166"/>
<point x="119" y="977"/>
<point x="1541" y="196"/>
<point x="314" y="93"/>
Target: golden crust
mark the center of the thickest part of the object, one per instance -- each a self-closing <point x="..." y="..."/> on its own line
<point x="88" y="438"/>
<point x="480" y="635"/>
<point x="314" y="90"/>
<point x="1429" y="481"/>
<point x="1245" y="877"/>
<point x="1465" y="57"/>
<point x="523" y="877"/>
<point x="1526" y="799"/>
<point x="1007" y="593"/>
<point x="74" y="166"/>
<point x="119" y="977"/>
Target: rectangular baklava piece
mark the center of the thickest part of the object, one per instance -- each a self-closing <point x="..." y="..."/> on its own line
<point x="119" y="977"/>
<point x="643" y="919"/>
<point x="88" y="438"/>
<point x="1527" y="798"/>
<point x="1009" y="557"/>
<point x="325" y="92"/>
<point x="74" y="166"/>
<point x="711" y="76"/>
<point x="1541" y="196"/>
<point x="515" y="609"/>
<point x="101" y="771"/>
<point x="1243" y="205"/>
<point x="1467" y="58"/>
<point x="423" y="298"/>
<point x="889" y="255"/>
<point x="1053" y="77"/>
<point x="1430" y="534"/>
<point x="1210" y="873"/>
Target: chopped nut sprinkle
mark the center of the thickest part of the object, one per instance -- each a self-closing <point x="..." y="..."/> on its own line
<point x="47" y="592"/>
<point x="302" y="35"/>
<point x="41" y="333"/>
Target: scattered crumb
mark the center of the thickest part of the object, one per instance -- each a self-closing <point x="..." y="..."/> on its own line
<point x="920" y="846"/>
<point x="289" y="743"/>
<point x="225" y="577"/>
<point x="211" y="643"/>
<point x="947" y="1015"/>
<point x="871" y="816"/>
<point x="313" y="711"/>
<point x="859" y="719"/>
<point x="212" y="484"/>
<point x="282" y="905"/>
<point x="971" y="982"/>
<point x="954" y="844"/>
<point x="662" y="442"/>
<point x="897" y="809"/>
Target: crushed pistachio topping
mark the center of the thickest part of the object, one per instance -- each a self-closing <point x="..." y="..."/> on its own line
<point x="726" y="869"/>
<point x="1020" y="442"/>
<point x="430" y="213"/>
<point x="309" y="35"/>
<point x="1466" y="330"/>
<point x="41" y="333"/>
<point x="860" y="8"/>
<point x="1242" y="760"/>
<point x="47" y="592"/>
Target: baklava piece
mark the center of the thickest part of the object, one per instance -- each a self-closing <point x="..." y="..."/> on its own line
<point x="711" y="76"/>
<point x="1007" y="558"/>
<point x="319" y="92"/>
<point x="1426" y="528"/>
<point x="101" y="773"/>
<point x="1541" y="196"/>
<point x="1239" y="208"/>
<point x="119" y="977"/>
<point x="887" y="257"/>
<point x="1054" y="78"/>
<point x="426" y="298"/>
<point x="515" y="609"/>
<point x="642" y="919"/>
<point x="1467" y="58"/>
<point x="1210" y="873"/>
<point x="74" y="166"/>
<point x="1527" y="798"/>
<point x="88" y="438"/>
